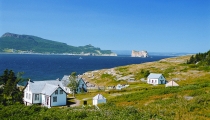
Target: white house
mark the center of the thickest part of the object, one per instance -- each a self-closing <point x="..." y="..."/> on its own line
<point x="155" y="78"/>
<point x="119" y="87"/>
<point x="99" y="99"/>
<point x="171" y="84"/>
<point x="46" y="93"/>
<point x="81" y="84"/>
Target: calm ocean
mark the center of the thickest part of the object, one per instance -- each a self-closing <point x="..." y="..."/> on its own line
<point x="45" y="67"/>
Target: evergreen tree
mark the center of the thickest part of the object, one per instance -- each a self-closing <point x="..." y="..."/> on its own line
<point x="10" y="91"/>
<point x="4" y="77"/>
<point x="8" y="88"/>
<point x="146" y="73"/>
<point x="200" y="58"/>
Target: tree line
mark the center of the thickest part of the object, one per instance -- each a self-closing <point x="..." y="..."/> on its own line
<point x="200" y="59"/>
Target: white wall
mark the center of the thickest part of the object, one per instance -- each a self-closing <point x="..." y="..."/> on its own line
<point x="95" y="102"/>
<point x="43" y="99"/>
<point x="152" y="81"/>
<point x="27" y="95"/>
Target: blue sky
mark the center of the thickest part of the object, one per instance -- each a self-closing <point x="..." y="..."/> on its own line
<point x="152" y="25"/>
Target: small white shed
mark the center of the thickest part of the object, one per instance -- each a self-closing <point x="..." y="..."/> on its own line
<point x="99" y="99"/>
<point x="171" y="84"/>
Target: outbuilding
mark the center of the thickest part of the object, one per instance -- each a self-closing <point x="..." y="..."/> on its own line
<point x="99" y="99"/>
<point x="171" y="84"/>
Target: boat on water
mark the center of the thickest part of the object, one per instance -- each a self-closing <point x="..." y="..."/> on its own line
<point x="80" y="57"/>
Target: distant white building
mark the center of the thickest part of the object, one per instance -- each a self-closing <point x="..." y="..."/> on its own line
<point x="119" y="87"/>
<point x="99" y="99"/>
<point x="155" y="78"/>
<point x="47" y="93"/>
<point x="171" y="84"/>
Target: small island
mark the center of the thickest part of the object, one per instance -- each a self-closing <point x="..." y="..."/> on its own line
<point x="143" y="54"/>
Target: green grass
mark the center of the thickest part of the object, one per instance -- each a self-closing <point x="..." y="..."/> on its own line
<point x="150" y="102"/>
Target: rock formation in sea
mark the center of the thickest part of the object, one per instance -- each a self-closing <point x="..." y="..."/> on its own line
<point x="139" y="53"/>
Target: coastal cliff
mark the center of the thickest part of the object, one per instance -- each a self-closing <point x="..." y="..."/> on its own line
<point x="139" y="53"/>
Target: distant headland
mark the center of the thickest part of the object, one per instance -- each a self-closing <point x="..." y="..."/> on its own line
<point x="28" y="44"/>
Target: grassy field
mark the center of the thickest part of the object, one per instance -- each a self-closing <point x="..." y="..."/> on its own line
<point x="191" y="100"/>
<point x="171" y="68"/>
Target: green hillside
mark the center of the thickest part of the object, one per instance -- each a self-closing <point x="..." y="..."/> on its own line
<point x="35" y="44"/>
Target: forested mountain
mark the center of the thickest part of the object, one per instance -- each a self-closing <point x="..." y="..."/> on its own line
<point x="39" y="45"/>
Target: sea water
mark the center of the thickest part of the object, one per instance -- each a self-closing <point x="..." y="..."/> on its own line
<point x="50" y="67"/>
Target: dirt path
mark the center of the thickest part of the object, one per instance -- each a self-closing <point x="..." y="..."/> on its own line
<point x="77" y="103"/>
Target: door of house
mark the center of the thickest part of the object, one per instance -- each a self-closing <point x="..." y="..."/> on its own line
<point x="46" y="100"/>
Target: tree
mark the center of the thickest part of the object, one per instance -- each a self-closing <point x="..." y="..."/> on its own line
<point x="4" y="77"/>
<point x="9" y="86"/>
<point x="201" y="59"/>
<point x="146" y="73"/>
<point x="11" y="92"/>
<point x="73" y="83"/>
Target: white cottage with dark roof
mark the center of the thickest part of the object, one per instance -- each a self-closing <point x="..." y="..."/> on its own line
<point x="155" y="78"/>
<point x="46" y="93"/>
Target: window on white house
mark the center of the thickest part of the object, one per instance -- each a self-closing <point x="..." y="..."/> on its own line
<point x="61" y="91"/>
<point x="26" y="95"/>
<point x="56" y="92"/>
<point x="29" y="96"/>
<point x="55" y="99"/>
<point x="36" y="96"/>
